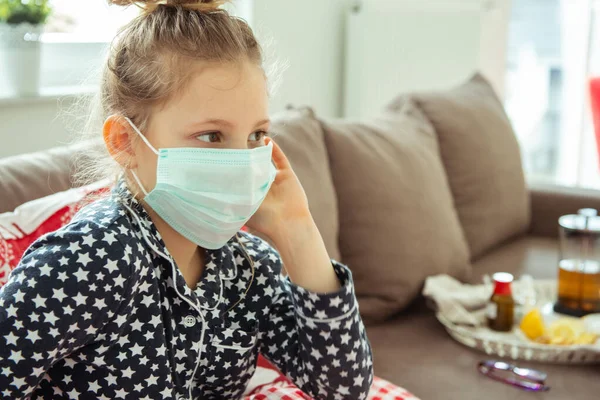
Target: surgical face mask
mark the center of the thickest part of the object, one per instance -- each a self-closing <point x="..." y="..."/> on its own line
<point x="207" y="195"/>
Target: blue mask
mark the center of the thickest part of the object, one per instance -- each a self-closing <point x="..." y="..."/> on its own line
<point x="207" y="195"/>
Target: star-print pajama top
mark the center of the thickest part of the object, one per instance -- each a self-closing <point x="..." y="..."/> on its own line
<point x="99" y="310"/>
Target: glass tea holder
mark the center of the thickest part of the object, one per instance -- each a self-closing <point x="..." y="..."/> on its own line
<point x="579" y="264"/>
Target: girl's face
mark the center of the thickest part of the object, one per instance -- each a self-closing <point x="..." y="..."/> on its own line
<point x="224" y="106"/>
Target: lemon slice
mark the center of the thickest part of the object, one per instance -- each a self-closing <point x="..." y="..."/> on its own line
<point x="532" y="324"/>
<point x="565" y="331"/>
<point x="586" y="338"/>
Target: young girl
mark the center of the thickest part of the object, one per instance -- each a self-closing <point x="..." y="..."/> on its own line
<point x="152" y="293"/>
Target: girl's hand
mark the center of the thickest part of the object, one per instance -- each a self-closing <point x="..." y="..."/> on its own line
<point x="286" y="204"/>
<point x="285" y="219"/>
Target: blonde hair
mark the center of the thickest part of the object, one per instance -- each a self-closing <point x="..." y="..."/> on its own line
<point x="149" y="63"/>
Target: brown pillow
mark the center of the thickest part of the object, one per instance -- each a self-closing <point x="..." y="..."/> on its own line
<point x="397" y="221"/>
<point x="300" y="136"/>
<point x="482" y="160"/>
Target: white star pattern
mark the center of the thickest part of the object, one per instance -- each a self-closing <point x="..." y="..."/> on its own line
<point x="11" y="339"/>
<point x="81" y="275"/>
<point x="94" y="303"/>
<point x="45" y="270"/>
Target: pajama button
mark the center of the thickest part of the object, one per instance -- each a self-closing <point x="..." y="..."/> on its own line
<point x="189" y="321"/>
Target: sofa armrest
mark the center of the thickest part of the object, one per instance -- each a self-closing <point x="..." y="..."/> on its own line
<point x="30" y="176"/>
<point x="549" y="202"/>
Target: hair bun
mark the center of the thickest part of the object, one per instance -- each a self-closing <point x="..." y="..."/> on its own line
<point x="150" y="5"/>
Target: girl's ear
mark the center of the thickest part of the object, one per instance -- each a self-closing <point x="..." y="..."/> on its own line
<point x="116" y="133"/>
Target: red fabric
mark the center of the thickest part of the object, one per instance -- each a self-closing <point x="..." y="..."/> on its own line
<point x="595" y="105"/>
<point x="20" y="228"/>
<point x="263" y="362"/>
<point x="278" y="391"/>
<point x="283" y="389"/>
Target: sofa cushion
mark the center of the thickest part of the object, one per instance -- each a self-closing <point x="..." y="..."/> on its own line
<point x="32" y="176"/>
<point x="397" y="221"/>
<point x="482" y="160"/>
<point x="300" y="136"/>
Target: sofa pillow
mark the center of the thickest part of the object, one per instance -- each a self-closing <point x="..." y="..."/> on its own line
<point x="482" y="161"/>
<point x="300" y="136"/>
<point x="397" y="221"/>
<point x="23" y="226"/>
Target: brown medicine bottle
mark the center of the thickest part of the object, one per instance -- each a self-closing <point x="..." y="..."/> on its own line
<point x="501" y="307"/>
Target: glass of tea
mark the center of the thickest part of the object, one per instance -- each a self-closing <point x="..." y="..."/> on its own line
<point x="579" y="265"/>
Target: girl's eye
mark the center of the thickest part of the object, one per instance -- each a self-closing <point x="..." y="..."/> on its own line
<point x="209" y="137"/>
<point x="258" y="136"/>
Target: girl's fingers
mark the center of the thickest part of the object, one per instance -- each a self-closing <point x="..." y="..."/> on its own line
<point x="279" y="158"/>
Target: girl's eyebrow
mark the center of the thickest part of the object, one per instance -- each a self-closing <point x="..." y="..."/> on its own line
<point x="226" y="124"/>
<point x="262" y="122"/>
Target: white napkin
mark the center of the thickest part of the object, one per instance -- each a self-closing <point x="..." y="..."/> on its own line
<point x="460" y="303"/>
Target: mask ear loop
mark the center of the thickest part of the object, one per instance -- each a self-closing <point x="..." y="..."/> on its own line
<point x="135" y="177"/>
<point x="144" y="138"/>
<point x="139" y="183"/>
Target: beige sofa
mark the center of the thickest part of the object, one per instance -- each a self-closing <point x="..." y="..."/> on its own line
<point x="433" y="185"/>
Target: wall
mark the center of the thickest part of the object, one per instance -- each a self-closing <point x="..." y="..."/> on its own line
<point x="308" y="37"/>
<point x="400" y="47"/>
<point x="494" y="42"/>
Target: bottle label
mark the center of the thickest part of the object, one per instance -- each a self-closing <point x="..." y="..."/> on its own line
<point x="491" y="310"/>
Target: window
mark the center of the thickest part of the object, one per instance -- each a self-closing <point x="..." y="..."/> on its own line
<point x="77" y="36"/>
<point x="90" y="20"/>
<point x="553" y="53"/>
<point x="96" y="20"/>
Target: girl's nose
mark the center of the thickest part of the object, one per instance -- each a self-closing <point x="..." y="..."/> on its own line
<point x="239" y="144"/>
